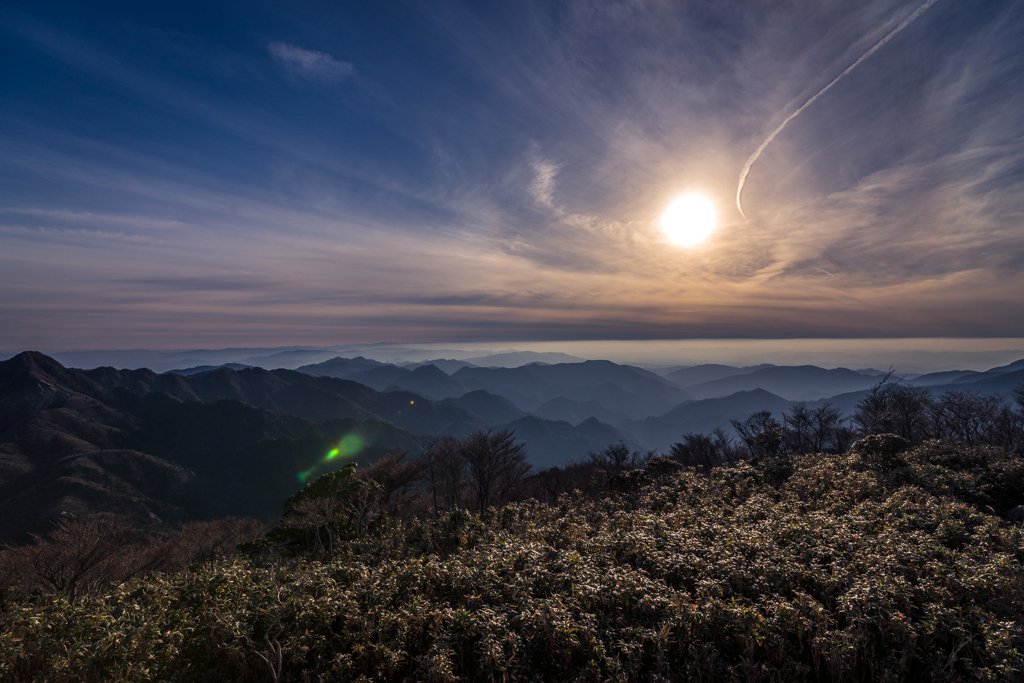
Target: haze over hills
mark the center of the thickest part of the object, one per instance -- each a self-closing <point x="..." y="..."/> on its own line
<point x="799" y="383"/>
<point x="206" y="368"/>
<point x="103" y="441"/>
<point x="515" y="359"/>
<point x="551" y="442"/>
<point x="575" y="412"/>
<point x="163" y="448"/>
<point x="489" y="408"/>
<point x="449" y="365"/>
<point x="709" y="372"/>
<point x="703" y="416"/>
<point x="426" y="380"/>
<point x="156" y="445"/>
<point x="619" y="388"/>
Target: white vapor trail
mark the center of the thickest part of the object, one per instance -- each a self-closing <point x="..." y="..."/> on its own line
<point x="753" y="157"/>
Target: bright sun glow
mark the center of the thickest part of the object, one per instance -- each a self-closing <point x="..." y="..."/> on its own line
<point x="689" y="220"/>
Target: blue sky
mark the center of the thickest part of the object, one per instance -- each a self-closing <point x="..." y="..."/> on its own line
<point x="202" y="174"/>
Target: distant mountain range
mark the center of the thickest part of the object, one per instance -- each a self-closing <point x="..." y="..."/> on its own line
<point x="209" y="440"/>
<point x="79" y="442"/>
<point x="163" y="448"/>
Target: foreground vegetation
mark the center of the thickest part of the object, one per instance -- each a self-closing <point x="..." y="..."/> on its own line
<point x="877" y="564"/>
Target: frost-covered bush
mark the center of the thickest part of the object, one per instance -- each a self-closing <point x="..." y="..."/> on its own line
<point x="828" y="569"/>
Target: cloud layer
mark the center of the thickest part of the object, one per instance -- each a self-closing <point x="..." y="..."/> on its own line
<point x="498" y="170"/>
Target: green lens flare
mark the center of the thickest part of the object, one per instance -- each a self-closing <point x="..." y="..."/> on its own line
<point x="350" y="445"/>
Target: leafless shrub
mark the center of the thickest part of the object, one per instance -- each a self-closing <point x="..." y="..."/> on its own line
<point x="83" y="556"/>
<point x="705" y="450"/>
<point x="203" y="542"/>
<point x="398" y="480"/>
<point x="895" y="408"/>
<point x="446" y="471"/>
<point x="617" y="458"/>
<point x="495" y="464"/>
<point x="817" y="430"/>
<point x="762" y="434"/>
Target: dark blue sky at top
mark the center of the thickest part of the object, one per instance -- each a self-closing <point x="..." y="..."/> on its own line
<point x="179" y="173"/>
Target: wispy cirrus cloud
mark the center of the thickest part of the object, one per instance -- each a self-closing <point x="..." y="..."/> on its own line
<point x="310" y="64"/>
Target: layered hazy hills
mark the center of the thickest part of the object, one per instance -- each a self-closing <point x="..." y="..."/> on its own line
<point x="231" y="439"/>
<point x="649" y="409"/>
<point x="705" y="415"/>
<point x="556" y="443"/>
<point x="619" y="388"/>
<point x="491" y="409"/>
<point x="141" y="444"/>
<point x="613" y="391"/>
<point x="796" y="383"/>
<point x="709" y="372"/>
<point x="163" y="448"/>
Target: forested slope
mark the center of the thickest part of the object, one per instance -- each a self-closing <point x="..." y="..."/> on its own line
<point x="877" y="564"/>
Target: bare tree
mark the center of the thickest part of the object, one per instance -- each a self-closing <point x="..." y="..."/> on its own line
<point x="763" y="435"/>
<point x="317" y="521"/>
<point x="397" y="478"/>
<point x="616" y="458"/>
<point x="552" y="481"/>
<point x="819" y="430"/>
<point x="1018" y="397"/>
<point x="495" y="464"/>
<point x="799" y="426"/>
<point x="1006" y="429"/>
<point x="705" y="450"/>
<point x="696" y="450"/>
<point x="446" y="470"/>
<point x="78" y="556"/>
<point x="85" y="555"/>
<point x="895" y="408"/>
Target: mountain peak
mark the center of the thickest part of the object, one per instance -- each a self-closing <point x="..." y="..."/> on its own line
<point x="34" y="359"/>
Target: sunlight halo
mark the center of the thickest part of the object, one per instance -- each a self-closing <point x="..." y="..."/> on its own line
<point x="689" y="220"/>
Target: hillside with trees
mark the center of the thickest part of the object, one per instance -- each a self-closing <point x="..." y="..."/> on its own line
<point x="886" y="562"/>
<point x="799" y="545"/>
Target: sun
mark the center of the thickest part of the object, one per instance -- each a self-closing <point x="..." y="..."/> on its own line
<point x="689" y="220"/>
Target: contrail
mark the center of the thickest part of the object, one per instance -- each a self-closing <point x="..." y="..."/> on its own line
<point x="873" y="50"/>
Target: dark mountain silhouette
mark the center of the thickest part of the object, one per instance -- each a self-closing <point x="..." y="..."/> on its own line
<point x="161" y="450"/>
<point x="604" y="433"/>
<point x="302" y="395"/>
<point x="489" y="408"/>
<point x="619" y="388"/>
<point x="988" y="383"/>
<point x="1011" y="367"/>
<point x="575" y="412"/>
<point x="709" y="372"/>
<point x="207" y="368"/>
<point x="984" y="383"/>
<point x="448" y="365"/>
<point x="426" y="380"/>
<point x="515" y="359"/>
<point x="939" y="378"/>
<point x="288" y="360"/>
<point x="994" y="372"/>
<point x="872" y="372"/>
<point x="796" y="383"/>
<point x="342" y="368"/>
<point x="703" y="416"/>
<point x="550" y="443"/>
<point x="742" y="403"/>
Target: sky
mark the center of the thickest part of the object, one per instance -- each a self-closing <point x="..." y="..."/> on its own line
<point x="222" y="174"/>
